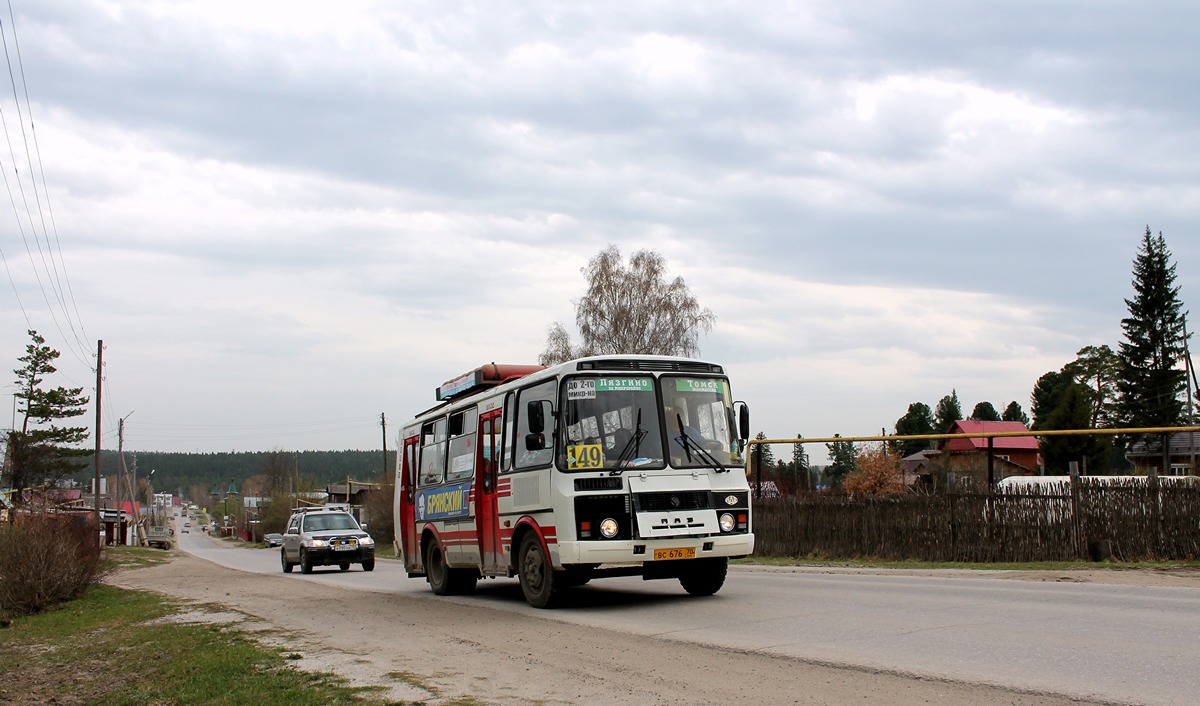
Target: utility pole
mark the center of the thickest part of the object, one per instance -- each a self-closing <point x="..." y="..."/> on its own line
<point x="383" y="424"/>
<point x="1192" y="389"/>
<point x="99" y="377"/>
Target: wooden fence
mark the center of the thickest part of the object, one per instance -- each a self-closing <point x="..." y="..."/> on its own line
<point x="1127" y="522"/>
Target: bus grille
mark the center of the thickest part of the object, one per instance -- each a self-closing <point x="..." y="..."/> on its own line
<point x="674" y="366"/>
<point x="667" y="502"/>
<point x="609" y="483"/>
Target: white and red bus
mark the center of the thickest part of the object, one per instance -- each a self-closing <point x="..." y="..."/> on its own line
<point x="603" y="466"/>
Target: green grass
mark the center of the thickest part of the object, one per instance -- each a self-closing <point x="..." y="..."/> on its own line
<point x="1000" y="566"/>
<point x="103" y="650"/>
<point x="136" y="557"/>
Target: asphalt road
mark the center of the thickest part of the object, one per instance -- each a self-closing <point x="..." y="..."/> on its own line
<point x="1126" y="644"/>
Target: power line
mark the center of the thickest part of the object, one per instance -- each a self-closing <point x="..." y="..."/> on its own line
<point x="53" y="267"/>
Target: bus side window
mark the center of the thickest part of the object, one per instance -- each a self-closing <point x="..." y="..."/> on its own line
<point x="461" y="458"/>
<point x="525" y="458"/>
<point x="433" y="451"/>
<point x="406" y="473"/>
<point x="508" y="438"/>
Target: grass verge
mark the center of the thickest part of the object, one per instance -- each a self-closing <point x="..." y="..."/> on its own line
<point x="104" y="649"/>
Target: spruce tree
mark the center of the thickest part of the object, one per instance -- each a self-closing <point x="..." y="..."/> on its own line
<point x="843" y="459"/>
<point x="1150" y="382"/>
<point x="948" y="412"/>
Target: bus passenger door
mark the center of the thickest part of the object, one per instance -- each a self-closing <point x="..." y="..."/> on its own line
<point x="406" y="523"/>
<point x="487" y="522"/>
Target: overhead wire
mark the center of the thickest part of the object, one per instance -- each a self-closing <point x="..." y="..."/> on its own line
<point x="37" y="150"/>
<point x="52" y="270"/>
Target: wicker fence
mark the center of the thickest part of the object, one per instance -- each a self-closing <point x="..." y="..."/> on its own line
<point x="1128" y="522"/>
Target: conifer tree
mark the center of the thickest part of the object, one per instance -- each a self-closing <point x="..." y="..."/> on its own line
<point x="948" y="412"/>
<point x="842" y="461"/>
<point x="1151" y="383"/>
<point x="918" y="420"/>
<point x="985" y="412"/>
<point x="1014" y="413"/>
<point x="41" y="451"/>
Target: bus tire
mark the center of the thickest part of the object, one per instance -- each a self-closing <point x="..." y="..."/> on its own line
<point x="436" y="572"/>
<point x="540" y="583"/>
<point x="705" y="576"/>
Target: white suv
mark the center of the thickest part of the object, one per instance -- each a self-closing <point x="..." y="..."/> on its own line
<point x="325" y="537"/>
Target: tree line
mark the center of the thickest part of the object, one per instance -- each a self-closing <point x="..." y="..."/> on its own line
<point x="1141" y="384"/>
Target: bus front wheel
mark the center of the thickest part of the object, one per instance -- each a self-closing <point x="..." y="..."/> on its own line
<point x="539" y="582"/>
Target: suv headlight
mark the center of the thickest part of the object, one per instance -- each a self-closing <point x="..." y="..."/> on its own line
<point x="315" y="543"/>
<point x="366" y="541"/>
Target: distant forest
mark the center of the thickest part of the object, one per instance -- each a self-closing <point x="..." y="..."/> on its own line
<point x="178" y="472"/>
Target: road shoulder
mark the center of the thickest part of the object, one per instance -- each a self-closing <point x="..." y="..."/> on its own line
<point x="452" y="650"/>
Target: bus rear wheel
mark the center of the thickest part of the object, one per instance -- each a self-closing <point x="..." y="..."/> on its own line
<point x="443" y="580"/>
<point x="540" y="583"/>
<point x="705" y="576"/>
<point x="436" y="572"/>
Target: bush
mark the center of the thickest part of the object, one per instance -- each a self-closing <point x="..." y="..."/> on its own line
<point x="47" y="559"/>
<point x="877" y="472"/>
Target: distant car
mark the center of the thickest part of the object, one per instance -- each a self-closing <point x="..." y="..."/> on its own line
<point x="273" y="539"/>
<point x="325" y="537"/>
<point x="160" y="537"/>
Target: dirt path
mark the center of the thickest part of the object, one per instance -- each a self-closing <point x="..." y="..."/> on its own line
<point x="436" y="651"/>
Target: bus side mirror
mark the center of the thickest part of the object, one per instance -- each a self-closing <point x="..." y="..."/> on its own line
<point x="744" y="422"/>
<point x="535" y="442"/>
<point x="537" y="417"/>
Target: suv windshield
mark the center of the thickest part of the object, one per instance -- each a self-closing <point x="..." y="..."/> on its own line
<point x="330" y="521"/>
<point x="610" y="423"/>
<point x="699" y="422"/>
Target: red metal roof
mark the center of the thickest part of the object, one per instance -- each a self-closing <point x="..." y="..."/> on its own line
<point x="980" y="443"/>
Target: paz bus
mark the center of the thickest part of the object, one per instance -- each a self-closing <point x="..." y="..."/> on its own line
<point x="616" y="465"/>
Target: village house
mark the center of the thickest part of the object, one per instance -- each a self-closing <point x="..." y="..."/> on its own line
<point x="965" y="461"/>
<point x="1184" y="449"/>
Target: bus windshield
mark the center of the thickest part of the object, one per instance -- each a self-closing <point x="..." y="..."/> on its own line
<point x="698" y="413"/>
<point x="610" y="423"/>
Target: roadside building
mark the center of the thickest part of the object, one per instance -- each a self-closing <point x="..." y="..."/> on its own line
<point x="1183" y="450"/>
<point x="965" y="462"/>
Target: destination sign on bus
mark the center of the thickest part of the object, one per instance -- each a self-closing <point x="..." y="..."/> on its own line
<point x="586" y="388"/>
<point x="698" y="385"/>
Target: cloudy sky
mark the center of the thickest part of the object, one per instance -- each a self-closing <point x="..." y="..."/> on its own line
<point x="285" y="219"/>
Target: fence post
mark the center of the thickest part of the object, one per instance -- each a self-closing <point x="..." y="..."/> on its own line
<point x="991" y="462"/>
<point x="1076" y="515"/>
<point x="758" y="473"/>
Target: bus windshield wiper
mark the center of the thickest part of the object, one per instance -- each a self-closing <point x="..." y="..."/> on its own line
<point x="689" y="444"/>
<point x="631" y="447"/>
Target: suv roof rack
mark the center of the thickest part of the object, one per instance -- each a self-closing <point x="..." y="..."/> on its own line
<point x="337" y="507"/>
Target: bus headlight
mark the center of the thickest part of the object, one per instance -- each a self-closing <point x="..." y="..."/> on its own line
<point x="609" y="528"/>
<point x="727" y="522"/>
